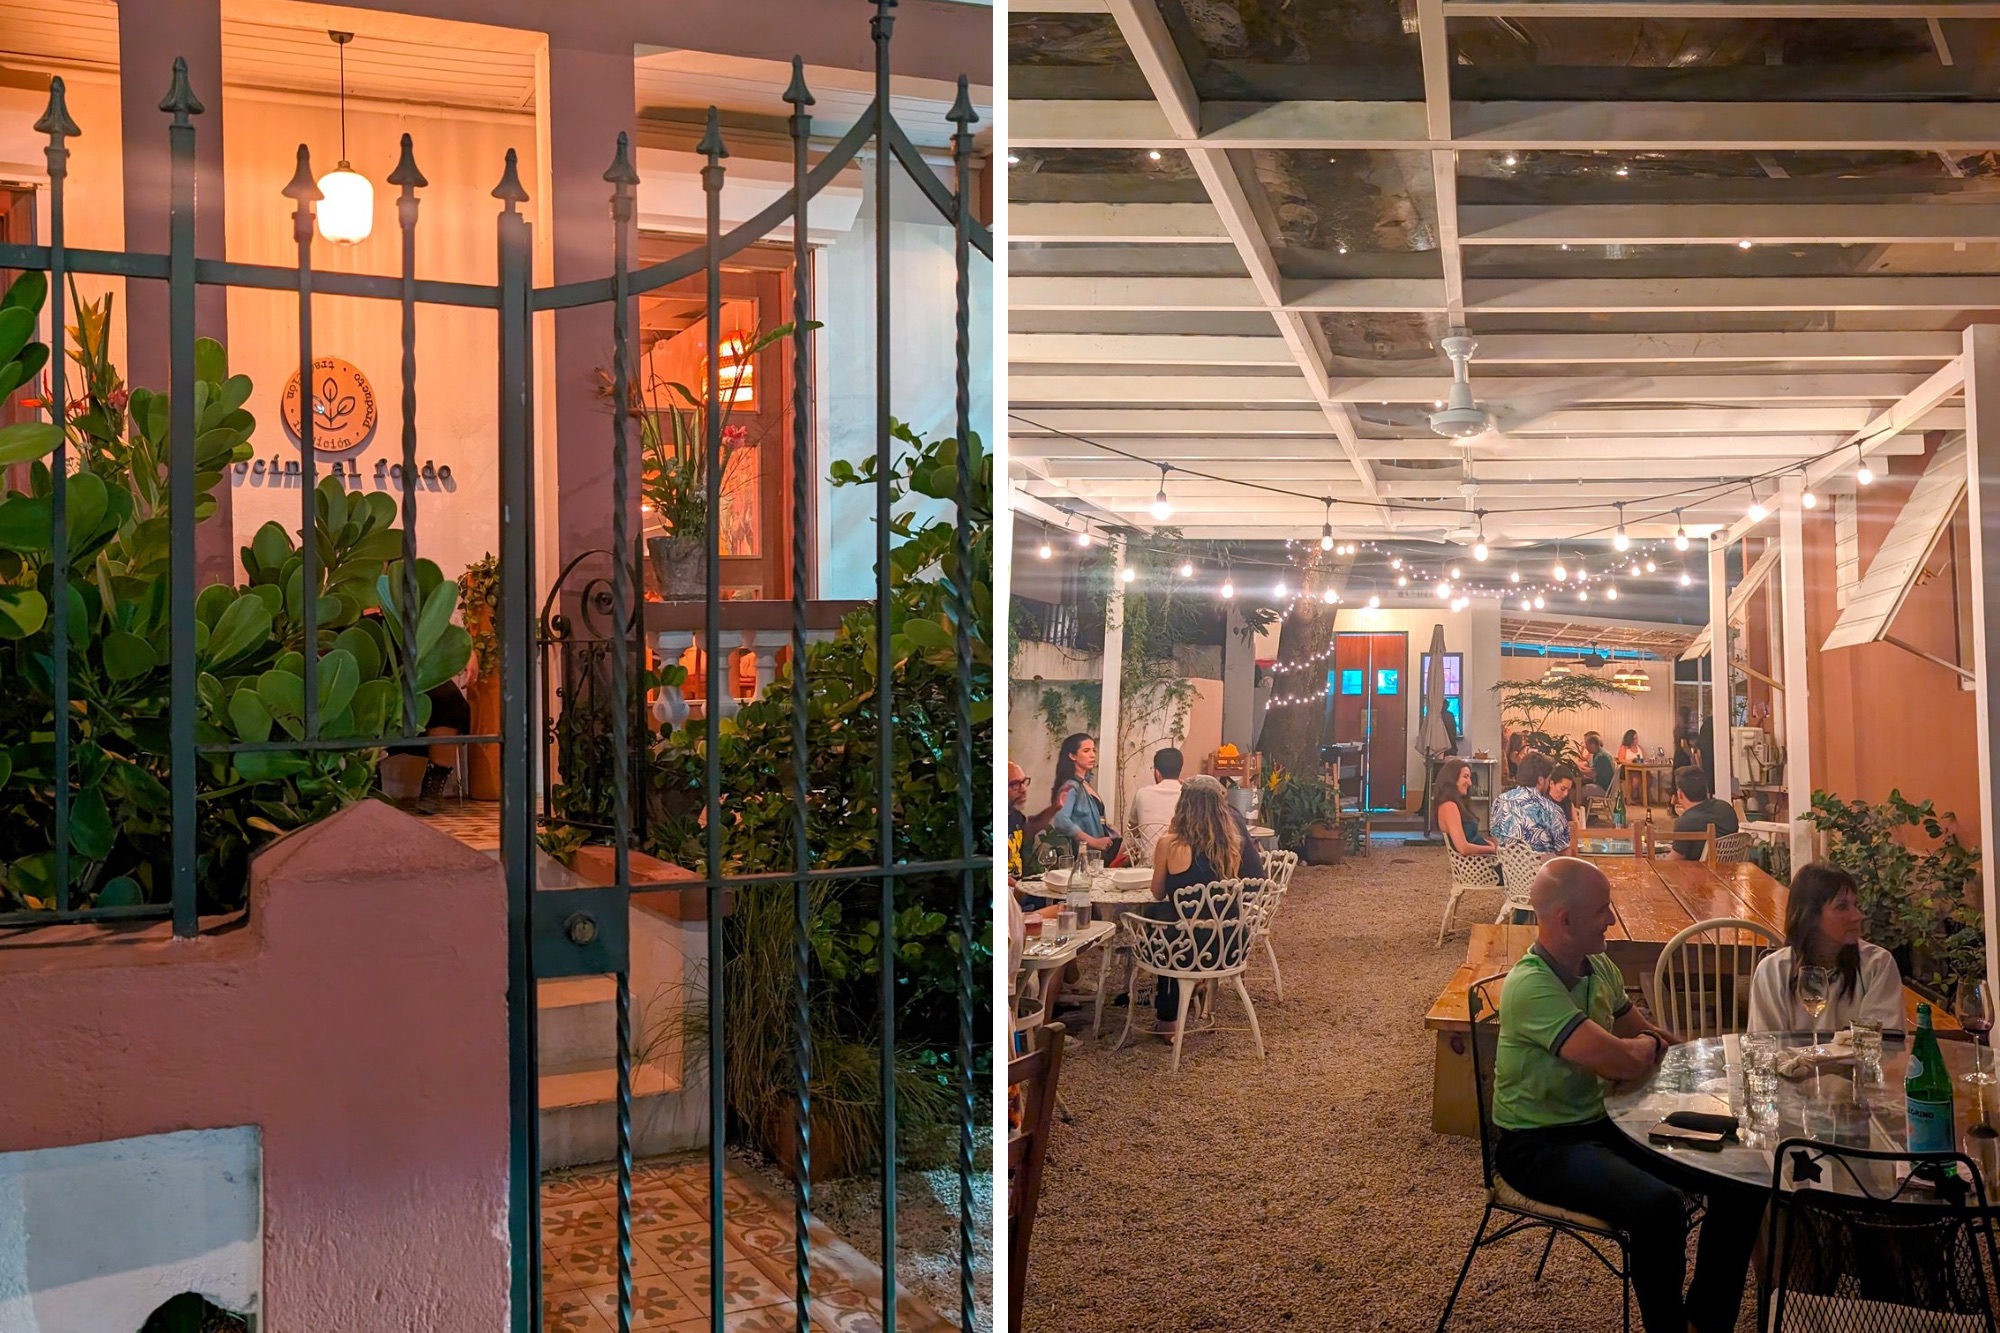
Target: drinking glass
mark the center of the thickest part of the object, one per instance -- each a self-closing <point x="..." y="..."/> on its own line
<point x="1093" y="861"/>
<point x="1065" y="923"/>
<point x="1975" y="1014"/>
<point x="1815" y="989"/>
<point x="1759" y="1057"/>
<point x="1867" y="1034"/>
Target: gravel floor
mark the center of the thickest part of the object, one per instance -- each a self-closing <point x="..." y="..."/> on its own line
<point x="1307" y="1191"/>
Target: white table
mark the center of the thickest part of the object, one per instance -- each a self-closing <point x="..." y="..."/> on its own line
<point x="1045" y="953"/>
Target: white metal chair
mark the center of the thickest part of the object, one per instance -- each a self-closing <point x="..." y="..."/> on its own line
<point x="1279" y="867"/>
<point x="1264" y="909"/>
<point x="1519" y="864"/>
<point x="1208" y="940"/>
<point x="1467" y="872"/>
<point x="1701" y="984"/>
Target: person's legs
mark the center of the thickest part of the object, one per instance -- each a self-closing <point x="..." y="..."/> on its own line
<point x="1585" y="1170"/>
<point x="1166" y="999"/>
<point x="1729" y="1229"/>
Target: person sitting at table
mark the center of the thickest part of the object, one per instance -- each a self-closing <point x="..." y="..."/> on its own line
<point x="1566" y="1031"/>
<point x="1517" y="745"/>
<point x="1153" y="806"/>
<point x="1823" y="921"/>
<point x="1631" y="752"/>
<point x="1206" y="841"/>
<point x="1524" y="812"/>
<point x="1563" y="783"/>
<point x="1454" y="813"/>
<point x="1079" y="809"/>
<point x="1603" y="772"/>
<point x="1695" y="810"/>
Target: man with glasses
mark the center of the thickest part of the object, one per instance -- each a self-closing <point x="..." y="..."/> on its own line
<point x="1028" y="827"/>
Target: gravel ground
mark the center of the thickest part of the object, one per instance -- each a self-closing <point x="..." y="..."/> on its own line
<point x="926" y="1225"/>
<point x="1307" y="1191"/>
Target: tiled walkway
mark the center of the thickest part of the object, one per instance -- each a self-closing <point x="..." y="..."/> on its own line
<point x="670" y="1251"/>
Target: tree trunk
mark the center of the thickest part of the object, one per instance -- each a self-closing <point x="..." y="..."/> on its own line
<point x="1293" y="734"/>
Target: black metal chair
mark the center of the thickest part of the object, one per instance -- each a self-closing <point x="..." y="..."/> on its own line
<point x="1516" y="1212"/>
<point x="1856" y="1240"/>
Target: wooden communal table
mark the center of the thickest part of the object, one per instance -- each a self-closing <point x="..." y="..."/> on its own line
<point x="1653" y="901"/>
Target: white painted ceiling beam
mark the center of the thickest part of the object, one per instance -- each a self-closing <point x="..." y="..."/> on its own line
<point x="1503" y="349"/>
<point x="1726" y="454"/>
<point x="1583" y="422"/>
<point x="1125" y="224"/>
<point x="1026" y="390"/>
<point x="1717" y="9"/>
<point x="1142" y="349"/>
<point x="1728" y="224"/>
<point x="1695" y="295"/>
<point x="1923" y="127"/>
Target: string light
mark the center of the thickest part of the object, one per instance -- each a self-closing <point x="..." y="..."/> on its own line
<point x="1611" y="593"/>
<point x="1651" y="567"/>
<point x="1046" y="551"/>
<point x="1456" y="572"/>
<point x="1161" y="509"/>
<point x="1083" y="537"/>
<point x="1513" y="576"/>
<point x="1621" y="542"/>
<point x="1397" y="563"/>
<point x="1479" y="551"/>
<point x="1808" y="499"/>
<point x="1187" y="569"/>
<point x="1326" y="529"/>
<point x="1278" y="588"/>
<point x="1330" y="597"/>
<point x="1687" y="579"/>
<point x="1374" y="601"/>
<point x="1863" y="474"/>
<point x="1680" y="533"/>
<point x="1128" y="573"/>
<point x="1402" y="580"/>
<point x="1443" y="589"/>
<point x="1540" y="604"/>
<point x="1559" y="574"/>
<point x="1228" y="588"/>
<point x="1757" y="511"/>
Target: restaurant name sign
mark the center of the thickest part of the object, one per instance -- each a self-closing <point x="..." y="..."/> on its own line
<point x="343" y="406"/>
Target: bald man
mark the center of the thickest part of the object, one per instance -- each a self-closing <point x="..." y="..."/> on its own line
<point x="1567" y="1032"/>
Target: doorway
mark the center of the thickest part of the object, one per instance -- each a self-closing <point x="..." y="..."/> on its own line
<point x="1370" y="708"/>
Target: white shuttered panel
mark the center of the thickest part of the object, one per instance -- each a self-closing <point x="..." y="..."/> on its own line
<point x="1872" y="606"/>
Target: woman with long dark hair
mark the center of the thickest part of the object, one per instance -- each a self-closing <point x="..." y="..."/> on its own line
<point x="1823" y="921"/>
<point x="1079" y="809"/>
<point x="1454" y="812"/>
<point x="1204" y="842"/>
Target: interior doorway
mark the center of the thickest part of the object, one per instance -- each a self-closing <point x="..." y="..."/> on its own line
<point x="1370" y="706"/>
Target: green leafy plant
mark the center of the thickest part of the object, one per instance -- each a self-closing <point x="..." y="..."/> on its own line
<point x="250" y="646"/>
<point x="1533" y="704"/>
<point x="1294" y="803"/>
<point x="479" y="600"/>
<point x="1919" y="885"/>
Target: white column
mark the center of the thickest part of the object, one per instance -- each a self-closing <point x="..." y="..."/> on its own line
<point x="1797" y="698"/>
<point x="1982" y="500"/>
<point x="670" y="708"/>
<point x="1108" y="757"/>
<point x="1718" y="667"/>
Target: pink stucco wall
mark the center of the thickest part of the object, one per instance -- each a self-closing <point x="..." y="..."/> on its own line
<point x="358" y="1017"/>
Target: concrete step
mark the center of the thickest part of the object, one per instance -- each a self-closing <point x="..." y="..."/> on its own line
<point x="577" y="1022"/>
<point x="579" y="1114"/>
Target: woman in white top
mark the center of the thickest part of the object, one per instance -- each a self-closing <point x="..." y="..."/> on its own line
<point x="1823" y="921"/>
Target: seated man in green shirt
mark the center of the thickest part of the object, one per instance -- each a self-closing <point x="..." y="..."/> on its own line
<point x="1696" y="809"/>
<point x="1601" y="772"/>
<point x="1567" y="1031"/>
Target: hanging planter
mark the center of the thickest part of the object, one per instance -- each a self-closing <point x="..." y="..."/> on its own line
<point x="680" y="567"/>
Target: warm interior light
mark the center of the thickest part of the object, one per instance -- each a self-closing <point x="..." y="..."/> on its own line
<point x="1559" y="573"/>
<point x="1479" y="551"/>
<point x="347" y="212"/>
<point x="1865" y="475"/>
<point x="1228" y="589"/>
<point x="1187" y="569"/>
<point x="1047" y="552"/>
<point x="1809" y="500"/>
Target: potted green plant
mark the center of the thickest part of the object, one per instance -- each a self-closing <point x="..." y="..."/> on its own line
<point x="673" y="426"/>
<point x="1304" y="814"/>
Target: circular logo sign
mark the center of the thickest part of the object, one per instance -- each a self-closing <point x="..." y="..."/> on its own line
<point x="343" y="406"/>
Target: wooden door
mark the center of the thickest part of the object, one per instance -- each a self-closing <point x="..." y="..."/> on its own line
<point x="1388" y="720"/>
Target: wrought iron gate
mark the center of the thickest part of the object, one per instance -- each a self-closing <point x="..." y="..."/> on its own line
<point x="576" y="931"/>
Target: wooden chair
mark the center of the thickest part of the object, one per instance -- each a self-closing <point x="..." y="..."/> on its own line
<point x="1034" y="1074"/>
<point x="1701" y="984"/>
<point x="1651" y="840"/>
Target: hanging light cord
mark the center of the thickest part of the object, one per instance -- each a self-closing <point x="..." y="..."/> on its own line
<point x="343" y="101"/>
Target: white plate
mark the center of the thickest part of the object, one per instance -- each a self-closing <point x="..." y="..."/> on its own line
<point x="1056" y="879"/>
<point x="1131" y="877"/>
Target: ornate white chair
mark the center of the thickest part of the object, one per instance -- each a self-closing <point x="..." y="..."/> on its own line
<point x="1467" y="872"/>
<point x="1519" y="863"/>
<point x="1280" y="866"/>
<point x="1701" y="985"/>
<point x="1731" y="848"/>
<point x="1208" y="940"/>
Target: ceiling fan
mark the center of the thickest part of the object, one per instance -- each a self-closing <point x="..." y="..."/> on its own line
<point x="1464" y="418"/>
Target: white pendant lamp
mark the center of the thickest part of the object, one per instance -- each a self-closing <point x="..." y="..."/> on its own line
<point x="347" y="210"/>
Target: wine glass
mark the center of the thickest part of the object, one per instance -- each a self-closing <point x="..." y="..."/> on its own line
<point x="1974" y="1009"/>
<point x="1815" y="989"/>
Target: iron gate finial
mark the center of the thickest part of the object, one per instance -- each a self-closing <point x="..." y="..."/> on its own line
<point x="406" y="173"/>
<point x="510" y="190"/>
<point x="55" y="121"/>
<point x="796" y="91"/>
<point x="302" y="189"/>
<point x="711" y="145"/>
<point x="180" y="98"/>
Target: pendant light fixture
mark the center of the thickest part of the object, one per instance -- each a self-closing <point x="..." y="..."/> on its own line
<point x="1479" y="547"/>
<point x="347" y="212"/>
<point x="1162" y="510"/>
<point x="1680" y="532"/>
<point x="1621" y="542"/>
<point x="1326" y="529"/>
<point x="1863" y="474"/>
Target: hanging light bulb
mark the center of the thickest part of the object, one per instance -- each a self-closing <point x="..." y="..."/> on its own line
<point x="1374" y="601"/>
<point x="1326" y="529"/>
<point x="1278" y="588"/>
<point x="1611" y="593"/>
<point x="1808" y="499"/>
<point x="1443" y="588"/>
<point x="1757" y="511"/>
<point x="1228" y="588"/>
<point x="1619" y="541"/>
<point x="1456" y="573"/>
<point x="1559" y="573"/>
<point x="1187" y="569"/>
<point x="1687" y="579"/>
<point x="1046" y="551"/>
<point x="1161" y="509"/>
<point x="1651" y="567"/>
<point x="1479" y="550"/>
<point x="1397" y="563"/>
<point x="1128" y="573"/>
<point x="1330" y="597"/>
<point x="1583" y="594"/>
<point x="1513" y="576"/>
<point x="347" y="207"/>
<point x="1540" y="604"/>
<point x="1083" y="537"/>
<point x="1863" y="474"/>
<point x="1402" y="580"/>
<point x="1527" y="603"/>
<point x="1680" y="533"/>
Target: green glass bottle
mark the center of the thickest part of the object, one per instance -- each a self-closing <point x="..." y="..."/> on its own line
<point x="1927" y="1092"/>
<point x="1618" y="808"/>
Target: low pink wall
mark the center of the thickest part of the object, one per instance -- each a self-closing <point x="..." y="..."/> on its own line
<point x="358" y="1017"/>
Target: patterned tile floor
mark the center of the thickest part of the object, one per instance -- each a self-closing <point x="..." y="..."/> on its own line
<point x="671" y="1283"/>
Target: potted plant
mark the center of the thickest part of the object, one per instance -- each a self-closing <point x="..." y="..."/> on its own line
<point x="1304" y="814"/>
<point x="673" y="448"/>
<point x="479" y="595"/>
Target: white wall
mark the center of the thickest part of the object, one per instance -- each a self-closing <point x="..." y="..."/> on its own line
<point x="1652" y="713"/>
<point x="93" y="1238"/>
<point x="923" y="387"/>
